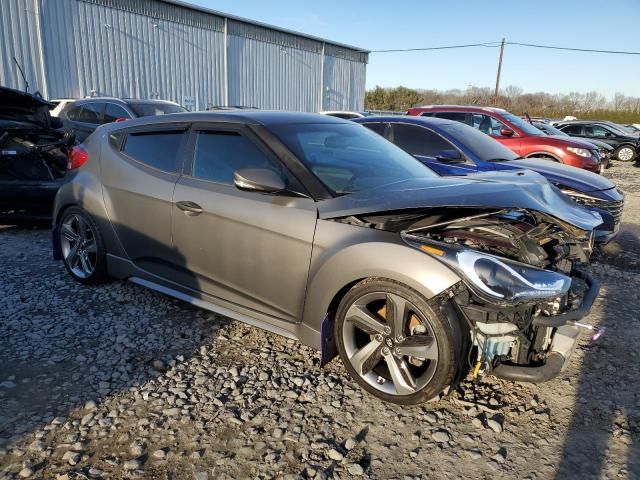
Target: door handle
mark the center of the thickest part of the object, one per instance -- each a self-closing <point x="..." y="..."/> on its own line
<point x="189" y="208"/>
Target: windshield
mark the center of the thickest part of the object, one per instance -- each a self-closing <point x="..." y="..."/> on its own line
<point x="523" y="125"/>
<point x="149" y="109"/>
<point x="349" y="158"/>
<point x="549" y="130"/>
<point x="481" y="145"/>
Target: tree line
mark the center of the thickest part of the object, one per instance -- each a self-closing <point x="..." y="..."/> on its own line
<point x="590" y="105"/>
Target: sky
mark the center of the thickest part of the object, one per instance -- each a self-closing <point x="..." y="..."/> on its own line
<point x="378" y="25"/>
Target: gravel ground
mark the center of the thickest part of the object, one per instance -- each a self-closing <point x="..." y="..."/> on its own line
<point x="120" y="382"/>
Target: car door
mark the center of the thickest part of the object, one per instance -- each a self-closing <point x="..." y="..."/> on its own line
<point x="85" y="119"/>
<point x="493" y="127"/>
<point x="139" y="170"/>
<point x="426" y="146"/>
<point x="602" y="133"/>
<point x="246" y="248"/>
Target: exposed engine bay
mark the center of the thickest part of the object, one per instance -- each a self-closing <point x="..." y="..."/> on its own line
<point x="32" y="154"/>
<point x="507" y="333"/>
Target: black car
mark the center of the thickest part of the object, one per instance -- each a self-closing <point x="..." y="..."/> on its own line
<point x="82" y="117"/>
<point x="606" y="150"/>
<point x="626" y="145"/>
<point x="33" y="155"/>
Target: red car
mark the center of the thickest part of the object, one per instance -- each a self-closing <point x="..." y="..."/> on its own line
<point x="519" y="135"/>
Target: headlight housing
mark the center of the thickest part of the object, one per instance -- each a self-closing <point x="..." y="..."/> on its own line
<point x="495" y="278"/>
<point x="581" y="152"/>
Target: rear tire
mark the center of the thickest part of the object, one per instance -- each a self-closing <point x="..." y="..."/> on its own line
<point x="625" y="153"/>
<point x="83" y="251"/>
<point x="395" y="345"/>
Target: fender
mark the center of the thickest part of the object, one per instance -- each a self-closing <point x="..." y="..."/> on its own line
<point x="363" y="253"/>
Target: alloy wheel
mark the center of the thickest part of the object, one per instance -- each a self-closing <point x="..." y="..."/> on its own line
<point x="390" y="343"/>
<point x="625" y="154"/>
<point x="78" y="242"/>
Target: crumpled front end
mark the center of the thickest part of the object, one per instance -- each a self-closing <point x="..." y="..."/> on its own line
<point x="526" y="282"/>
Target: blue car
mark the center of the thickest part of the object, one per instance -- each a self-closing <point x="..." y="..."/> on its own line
<point x="453" y="148"/>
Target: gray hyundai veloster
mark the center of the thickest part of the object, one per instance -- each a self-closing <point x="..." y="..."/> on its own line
<point x="320" y="230"/>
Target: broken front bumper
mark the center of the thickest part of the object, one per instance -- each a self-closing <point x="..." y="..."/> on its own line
<point x="563" y="344"/>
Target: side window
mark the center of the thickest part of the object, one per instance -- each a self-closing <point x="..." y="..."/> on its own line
<point x="156" y="149"/>
<point x="219" y="154"/>
<point x="426" y="114"/>
<point x="595" y="131"/>
<point x="112" y="112"/>
<point x="455" y="116"/>
<point x="376" y="127"/>
<point x="91" y="113"/>
<point x="74" y="113"/>
<point x="572" y="129"/>
<point x="487" y="124"/>
<point x="419" y="141"/>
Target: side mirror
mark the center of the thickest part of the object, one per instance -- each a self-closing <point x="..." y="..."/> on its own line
<point x="55" y="123"/>
<point x="450" y="156"/>
<point x="506" y="132"/>
<point x="258" y="180"/>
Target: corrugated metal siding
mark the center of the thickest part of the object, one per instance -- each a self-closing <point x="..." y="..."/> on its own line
<point x="155" y="49"/>
<point x="19" y="38"/>
<point x="344" y="84"/>
<point x="100" y="50"/>
<point x="270" y="76"/>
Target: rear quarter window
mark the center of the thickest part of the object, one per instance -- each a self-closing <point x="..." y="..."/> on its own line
<point x="159" y="150"/>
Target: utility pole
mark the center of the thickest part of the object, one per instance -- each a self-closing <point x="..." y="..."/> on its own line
<point x="495" y="94"/>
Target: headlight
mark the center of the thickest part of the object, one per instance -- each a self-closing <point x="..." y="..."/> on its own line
<point x="581" y="152"/>
<point x="511" y="281"/>
<point x="498" y="278"/>
<point x="579" y="197"/>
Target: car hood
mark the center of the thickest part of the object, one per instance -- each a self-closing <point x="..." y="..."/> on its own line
<point x="574" y="142"/>
<point x="524" y="189"/>
<point x="24" y="107"/>
<point x="600" y="144"/>
<point x="566" y="175"/>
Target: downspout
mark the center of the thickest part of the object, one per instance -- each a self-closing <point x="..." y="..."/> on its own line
<point x="226" y="63"/>
<point x="321" y="106"/>
<point x="44" y="88"/>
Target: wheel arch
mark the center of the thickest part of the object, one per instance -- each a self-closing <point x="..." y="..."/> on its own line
<point x="338" y="271"/>
<point x="544" y="154"/>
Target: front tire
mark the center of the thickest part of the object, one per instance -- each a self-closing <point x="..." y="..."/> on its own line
<point x="394" y="344"/>
<point x="625" y="153"/>
<point x="82" y="247"/>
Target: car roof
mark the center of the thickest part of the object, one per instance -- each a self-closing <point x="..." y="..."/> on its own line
<point x="123" y="101"/>
<point x="461" y="107"/>
<point x="420" y="121"/>
<point x="254" y="117"/>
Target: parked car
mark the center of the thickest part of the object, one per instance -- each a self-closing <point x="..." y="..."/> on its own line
<point x="626" y="145"/>
<point x="606" y="150"/>
<point x="320" y="230"/>
<point x="57" y="104"/>
<point x="33" y="156"/>
<point x="82" y="117"/>
<point x="453" y="148"/>
<point x="518" y="135"/>
<point x="345" y="114"/>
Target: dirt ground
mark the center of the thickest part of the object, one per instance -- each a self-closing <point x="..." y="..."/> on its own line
<point x="117" y="381"/>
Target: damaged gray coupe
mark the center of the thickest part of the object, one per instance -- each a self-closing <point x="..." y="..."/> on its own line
<point x="315" y="228"/>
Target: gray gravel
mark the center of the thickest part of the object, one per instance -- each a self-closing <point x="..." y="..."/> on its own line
<point x="120" y="382"/>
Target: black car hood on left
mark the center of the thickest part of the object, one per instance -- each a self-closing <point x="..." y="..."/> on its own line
<point x="522" y="190"/>
<point x="24" y="107"/>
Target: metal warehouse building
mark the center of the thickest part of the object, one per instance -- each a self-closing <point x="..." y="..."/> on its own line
<point x="172" y="50"/>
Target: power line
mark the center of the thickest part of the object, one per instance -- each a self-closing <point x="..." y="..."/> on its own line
<point x="497" y="44"/>
<point x="490" y="44"/>
<point x="590" y="50"/>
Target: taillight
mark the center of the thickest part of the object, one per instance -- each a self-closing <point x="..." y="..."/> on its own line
<point x="77" y="157"/>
